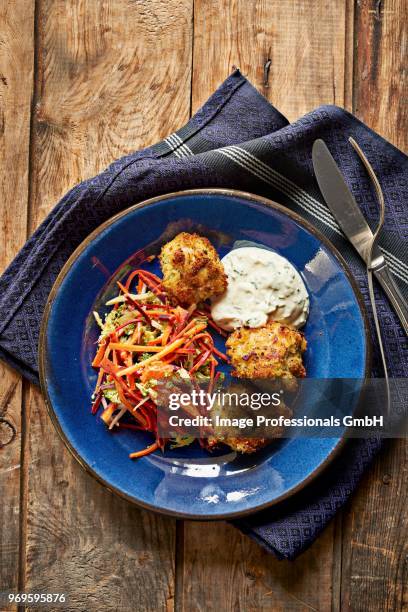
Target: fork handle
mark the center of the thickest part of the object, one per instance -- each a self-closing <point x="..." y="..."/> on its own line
<point x="387" y="282"/>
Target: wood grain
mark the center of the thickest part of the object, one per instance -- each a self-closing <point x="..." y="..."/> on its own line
<point x="112" y="76"/>
<point x="104" y="553"/>
<point x="225" y="570"/>
<point x="16" y="84"/>
<point x="380" y="68"/>
<point x="304" y="41"/>
<point x="375" y="549"/>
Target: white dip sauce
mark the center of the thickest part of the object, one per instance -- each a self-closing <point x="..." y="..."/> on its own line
<point x="261" y="285"/>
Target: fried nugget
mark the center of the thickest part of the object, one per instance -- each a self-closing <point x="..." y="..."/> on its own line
<point x="246" y="446"/>
<point x="272" y="351"/>
<point x="192" y="270"/>
<point x="238" y="439"/>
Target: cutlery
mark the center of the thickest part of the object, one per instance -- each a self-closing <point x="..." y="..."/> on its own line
<point x="372" y="249"/>
<point x="348" y="215"/>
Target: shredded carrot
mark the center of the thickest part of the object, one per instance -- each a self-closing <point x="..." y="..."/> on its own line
<point x="212" y="324"/>
<point x="157" y="371"/>
<point x="213" y="347"/>
<point x="129" y="279"/>
<point x="211" y="321"/>
<point x="166" y="335"/>
<point x="183" y="330"/>
<point x="107" y="413"/>
<point x="124" y="325"/>
<point x="99" y="354"/>
<point x="151" y="282"/>
<point x="145" y="451"/>
<point x="107" y="352"/>
<point x="201" y="361"/>
<point x="195" y="330"/>
<point x="150" y="275"/>
<point x="112" y="370"/>
<point x="134" y="348"/>
<point x="134" y="303"/>
<point x="174" y="337"/>
<point x="156" y="341"/>
<point x="131" y="381"/>
<point x="220" y="355"/>
<point x="212" y="374"/>
<point x="101" y="374"/>
<point x="163" y="351"/>
<point x="200" y="336"/>
<point x="96" y="403"/>
<point x="135" y="339"/>
<point x="144" y="349"/>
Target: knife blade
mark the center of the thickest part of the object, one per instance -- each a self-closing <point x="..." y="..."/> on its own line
<point x="351" y="220"/>
<point x="341" y="202"/>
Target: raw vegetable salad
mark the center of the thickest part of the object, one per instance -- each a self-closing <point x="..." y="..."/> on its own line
<point x="144" y="339"/>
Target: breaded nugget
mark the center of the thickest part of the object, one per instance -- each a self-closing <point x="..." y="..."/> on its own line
<point x="272" y="351"/>
<point x="192" y="270"/>
<point x="240" y="445"/>
<point x="237" y="439"/>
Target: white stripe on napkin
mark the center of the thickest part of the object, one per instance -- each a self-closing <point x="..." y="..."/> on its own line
<point x="177" y="145"/>
<point x="261" y="170"/>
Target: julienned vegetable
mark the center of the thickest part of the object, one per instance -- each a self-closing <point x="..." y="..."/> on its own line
<point x="144" y="338"/>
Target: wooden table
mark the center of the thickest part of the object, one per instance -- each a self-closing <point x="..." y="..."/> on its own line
<point x="83" y="82"/>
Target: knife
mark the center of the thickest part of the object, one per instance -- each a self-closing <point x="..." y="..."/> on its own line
<point x="348" y="215"/>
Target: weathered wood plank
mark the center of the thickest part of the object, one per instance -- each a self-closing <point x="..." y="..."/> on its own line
<point x="310" y="65"/>
<point x="375" y="571"/>
<point x="304" y="41"/>
<point x="16" y="85"/>
<point x="104" y="553"/>
<point x="380" y="68"/>
<point x="375" y="528"/>
<point x="112" y="76"/>
<point x="224" y="570"/>
<point x="10" y="462"/>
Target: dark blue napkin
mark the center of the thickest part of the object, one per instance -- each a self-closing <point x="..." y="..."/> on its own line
<point x="238" y="140"/>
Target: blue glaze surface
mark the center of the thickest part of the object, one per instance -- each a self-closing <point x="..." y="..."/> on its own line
<point x="189" y="481"/>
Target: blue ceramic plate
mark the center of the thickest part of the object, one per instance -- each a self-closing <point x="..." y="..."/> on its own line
<point x="189" y="482"/>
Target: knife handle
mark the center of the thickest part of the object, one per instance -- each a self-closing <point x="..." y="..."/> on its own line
<point x="387" y="282"/>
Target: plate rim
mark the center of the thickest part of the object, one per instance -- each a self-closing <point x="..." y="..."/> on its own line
<point x="64" y="271"/>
